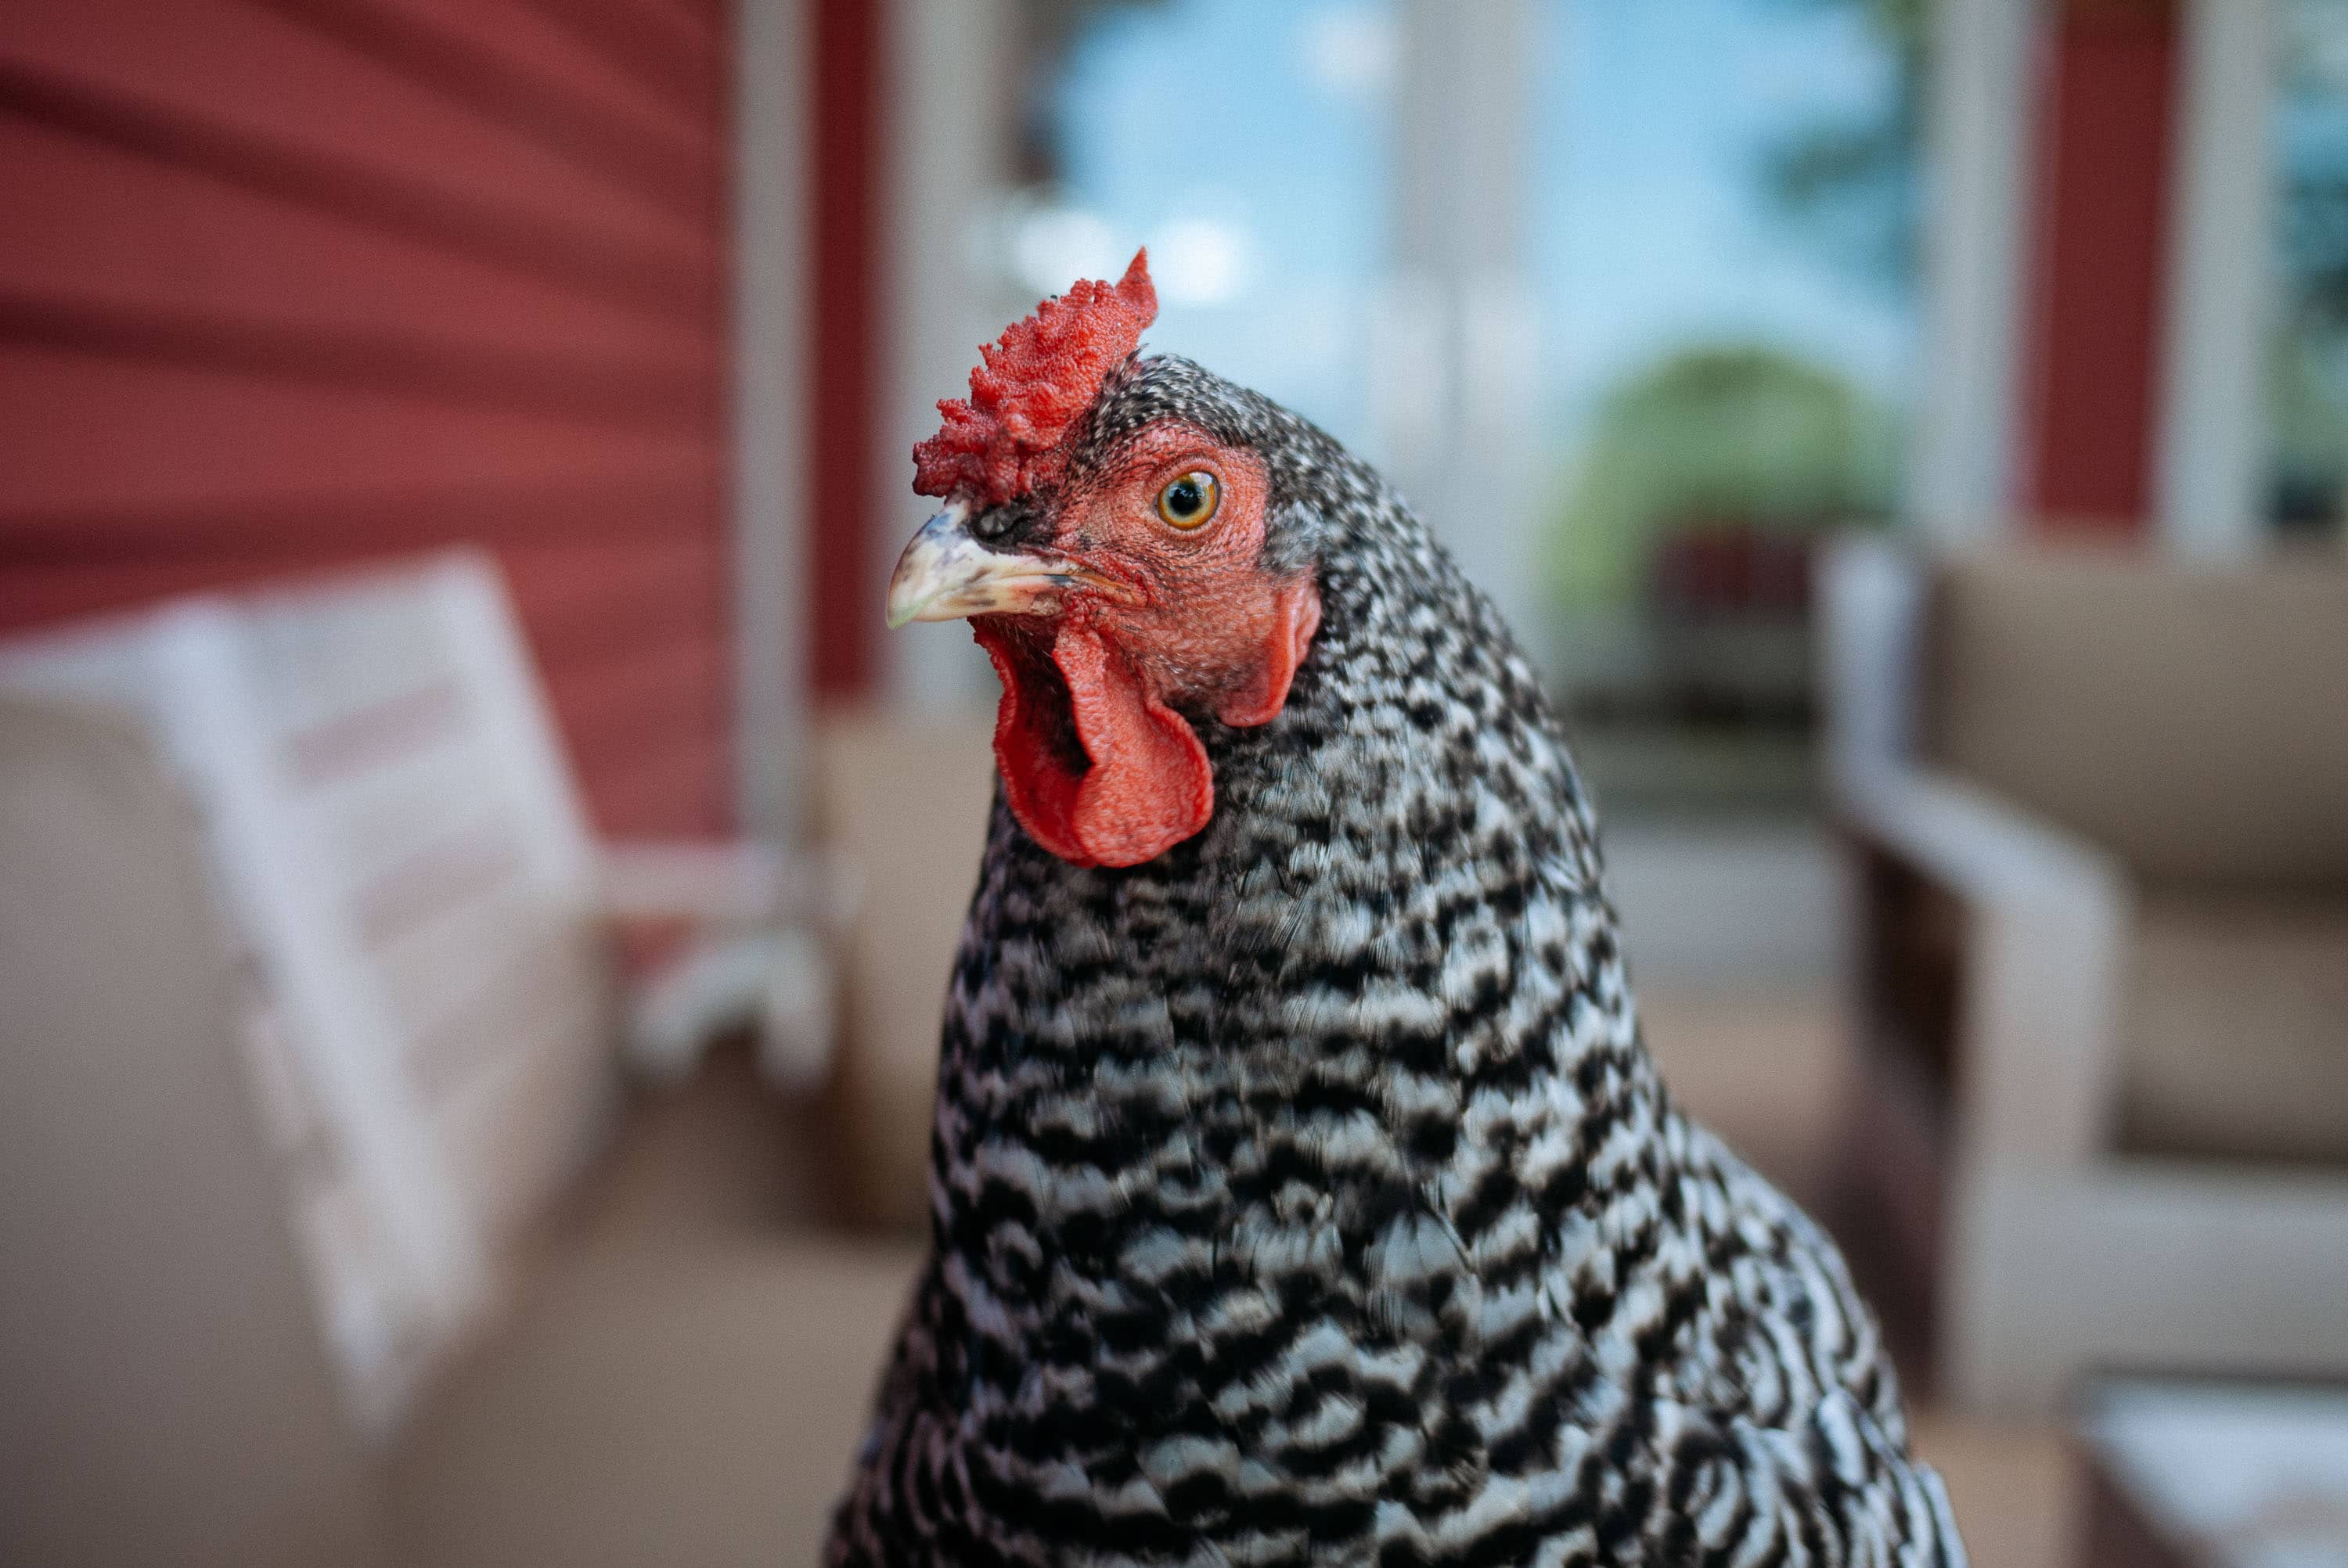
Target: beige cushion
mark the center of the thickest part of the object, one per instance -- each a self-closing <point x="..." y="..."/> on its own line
<point x="164" y="1395"/>
<point x="2194" y="723"/>
<point x="905" y="799"/>
<point x="2237" y="1030"/>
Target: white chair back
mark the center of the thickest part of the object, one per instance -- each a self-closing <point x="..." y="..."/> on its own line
<point x="407" y="868"/>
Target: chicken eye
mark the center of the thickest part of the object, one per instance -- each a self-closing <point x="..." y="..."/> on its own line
<point x="1188" y="501"/>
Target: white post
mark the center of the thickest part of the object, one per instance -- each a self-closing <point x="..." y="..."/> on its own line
<point x="771" y="516"/>
<point x="947" y="164"/>
<point x="2212" y="448"/>
<point x="1977" y="155"/>
<point x="1458" y="338"/>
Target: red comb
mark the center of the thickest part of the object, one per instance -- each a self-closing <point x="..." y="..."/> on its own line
<point x="1029" y="387"/>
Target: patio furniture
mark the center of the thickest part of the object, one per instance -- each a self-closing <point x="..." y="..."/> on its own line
<point x="682" y="1371"/>
<point x="2099" y="807"/>
<point x="431" y="1008"/>
<point x="2203" y="1475"/>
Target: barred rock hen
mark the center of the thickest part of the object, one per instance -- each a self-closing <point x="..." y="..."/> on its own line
<point x="1301" y="1191"/>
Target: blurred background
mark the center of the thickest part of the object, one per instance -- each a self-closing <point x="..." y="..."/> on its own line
<point x="468" y="985"/>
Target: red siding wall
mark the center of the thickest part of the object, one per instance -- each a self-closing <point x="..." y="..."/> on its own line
<point x="844" y="136"/>
<point x="286" y="284"/>
<point x="2107" y="103"/>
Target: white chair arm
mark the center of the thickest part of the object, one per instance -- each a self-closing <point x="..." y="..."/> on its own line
<point x="2053" y="922"/>
<point x="1981" y="847"/>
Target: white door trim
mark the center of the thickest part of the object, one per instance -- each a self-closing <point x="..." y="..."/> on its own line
<point x="770" y="566"/>
<point x="1976" y="171"/>
<point x="2211" y="477"/>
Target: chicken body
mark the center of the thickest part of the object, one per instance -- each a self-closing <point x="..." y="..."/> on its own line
<point x="1304" y="1195"/>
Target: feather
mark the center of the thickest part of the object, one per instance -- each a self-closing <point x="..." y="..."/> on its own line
<point x="1304" y="1195"/>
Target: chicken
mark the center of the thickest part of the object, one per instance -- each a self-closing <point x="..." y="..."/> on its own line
<point x="1301" y="1191"/>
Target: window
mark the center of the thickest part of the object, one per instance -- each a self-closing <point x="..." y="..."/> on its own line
<point x="2307" y="373"/>
<point x="1721" y="243"/>
<point x="1705" y="217"/>
<point x="1245" y="143"/>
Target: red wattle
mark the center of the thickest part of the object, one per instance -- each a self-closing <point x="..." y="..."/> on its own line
<point x="1150" y="785"/>
<point x="1096" y="769"/>
<point x="1038" y="780"/>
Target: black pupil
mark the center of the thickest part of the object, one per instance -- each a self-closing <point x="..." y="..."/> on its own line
<point x="1184" y="497"/>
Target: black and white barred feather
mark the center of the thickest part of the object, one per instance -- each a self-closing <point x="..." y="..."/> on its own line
<point x="1305" y="1195"/>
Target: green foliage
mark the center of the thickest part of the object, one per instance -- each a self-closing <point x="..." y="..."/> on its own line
<point x="2307" y="364"/>
<point x="2307" y="426"/>
<point x="2313" y="125"/>
<point x="1728" y="433"/>
<point x="2304" y="401"/>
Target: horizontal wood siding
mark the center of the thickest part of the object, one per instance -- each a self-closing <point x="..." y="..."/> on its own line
<point x="288" y="285"/>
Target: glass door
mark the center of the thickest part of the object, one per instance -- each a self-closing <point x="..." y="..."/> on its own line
<point x="1721" y="247"/>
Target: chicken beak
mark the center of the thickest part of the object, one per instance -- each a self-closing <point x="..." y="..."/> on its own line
<point x="945" y="574"/>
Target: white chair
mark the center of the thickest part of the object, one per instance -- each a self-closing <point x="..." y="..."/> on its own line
<point x="431" y="1008"/>
<point x="2102" y="830"/>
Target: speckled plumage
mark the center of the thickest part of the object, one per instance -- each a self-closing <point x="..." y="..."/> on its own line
<point x="1305" y="1195"/>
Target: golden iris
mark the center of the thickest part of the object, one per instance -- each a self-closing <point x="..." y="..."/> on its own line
<point x="1188" y="501"/>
